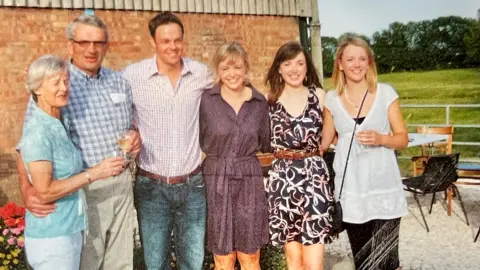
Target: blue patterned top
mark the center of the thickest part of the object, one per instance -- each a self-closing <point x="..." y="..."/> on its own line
<point x="99" y="111"/>
<point x="45" y="138"/>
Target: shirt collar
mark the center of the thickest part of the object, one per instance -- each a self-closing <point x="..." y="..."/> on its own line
<point x="153" y="69"/>
<point x="75" y="70"/>
<point x="216" y="90"/>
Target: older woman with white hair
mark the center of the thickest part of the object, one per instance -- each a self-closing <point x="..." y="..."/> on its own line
<point x="55" y="169"/>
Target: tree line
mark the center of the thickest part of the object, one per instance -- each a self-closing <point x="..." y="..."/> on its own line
<point x="442" y="43"/>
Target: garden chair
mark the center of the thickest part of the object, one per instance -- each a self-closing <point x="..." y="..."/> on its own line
<point x="418" y="162"/>
<point x="439" y="175"/>
<point x="476" y="237"/>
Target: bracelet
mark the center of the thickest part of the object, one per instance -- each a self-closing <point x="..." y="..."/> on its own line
<point x="88" y="176"/>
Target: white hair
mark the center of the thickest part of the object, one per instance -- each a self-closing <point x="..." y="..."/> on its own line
<point x="87" y="20"/>
<point x="44" y="67"/>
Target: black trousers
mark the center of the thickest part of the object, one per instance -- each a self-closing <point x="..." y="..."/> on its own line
<point x="374" y="244"/>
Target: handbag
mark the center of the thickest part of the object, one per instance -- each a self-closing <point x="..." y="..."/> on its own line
<point x="337" y="213"/>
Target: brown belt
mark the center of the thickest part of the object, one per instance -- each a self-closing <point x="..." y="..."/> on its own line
<point x="171" y="180"/>
<point x="295" y="155"/>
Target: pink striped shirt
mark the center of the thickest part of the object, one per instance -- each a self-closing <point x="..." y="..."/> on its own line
<point x="167" y="116"/>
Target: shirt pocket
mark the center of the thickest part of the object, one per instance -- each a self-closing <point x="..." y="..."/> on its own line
<point x="118" y="98"/>
<point x="116" y="110"/>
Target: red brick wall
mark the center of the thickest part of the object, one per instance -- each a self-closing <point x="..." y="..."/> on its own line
<point x="25" y="34"/>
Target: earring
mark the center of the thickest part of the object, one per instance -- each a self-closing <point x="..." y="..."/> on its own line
<point x="280" y="79"/>
<point x="305" y="80"/>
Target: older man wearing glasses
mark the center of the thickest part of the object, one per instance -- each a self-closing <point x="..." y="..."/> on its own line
<point x="99" y="113"/>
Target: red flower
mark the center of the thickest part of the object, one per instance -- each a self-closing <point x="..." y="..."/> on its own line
<point x="8" y="211"/>
<point x="10" y="222"/>
<point x="19" y="211"/>
<point x="11" y="210"/>
<point x="20" y="223"/>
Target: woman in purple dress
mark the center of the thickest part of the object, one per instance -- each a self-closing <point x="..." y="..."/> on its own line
<point x="300" y="193"/>
<point x="234" y="127"/>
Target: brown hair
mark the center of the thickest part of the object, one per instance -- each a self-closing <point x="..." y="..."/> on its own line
<point x="230" y="49"/>
<point x="338" y="77"/>
<point x="286" y="52"/>
<point x="163" y="18"/>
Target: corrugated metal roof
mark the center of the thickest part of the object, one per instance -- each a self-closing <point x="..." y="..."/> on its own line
<point x="298" y="8"/>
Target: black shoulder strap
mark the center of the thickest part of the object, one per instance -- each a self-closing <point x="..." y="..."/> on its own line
<point x="351" y="141"/>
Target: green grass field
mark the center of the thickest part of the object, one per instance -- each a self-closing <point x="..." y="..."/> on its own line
<point x="457" y="86"/>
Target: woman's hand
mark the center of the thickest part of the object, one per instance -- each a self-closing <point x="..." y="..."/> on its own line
<point x="370" y="137"/>
<point x="108" y="167"/>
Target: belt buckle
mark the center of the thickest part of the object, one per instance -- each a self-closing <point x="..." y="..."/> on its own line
<point x="168" y="180"/>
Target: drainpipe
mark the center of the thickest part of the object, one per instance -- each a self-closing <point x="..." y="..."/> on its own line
<point x="316" y="39"/>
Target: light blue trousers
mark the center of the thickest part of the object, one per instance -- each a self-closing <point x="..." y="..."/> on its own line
<point x="62" y="253"/>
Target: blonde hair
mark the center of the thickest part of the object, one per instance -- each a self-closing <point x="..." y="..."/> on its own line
<point x="338" y="77"/>
<point x="229" y="50"/>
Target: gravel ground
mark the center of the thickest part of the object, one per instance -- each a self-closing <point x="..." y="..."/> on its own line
<point x="448" y="245"/>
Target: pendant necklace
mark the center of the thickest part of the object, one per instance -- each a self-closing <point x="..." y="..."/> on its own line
<point x="357" y="107"/>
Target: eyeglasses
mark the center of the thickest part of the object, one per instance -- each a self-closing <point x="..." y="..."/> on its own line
<point x="86" y="43"/>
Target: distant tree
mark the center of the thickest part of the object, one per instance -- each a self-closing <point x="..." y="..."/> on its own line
<point x="472" y="43"/>
<point x="447" y="41"/>
<point x="391" y="48"/>
<point x="429" y="44"/>
<point x="444" y="42"/>
<point x="329" y="46"/>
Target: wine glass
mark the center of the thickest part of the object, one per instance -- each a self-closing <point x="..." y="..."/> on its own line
<point x="124" y="144"/>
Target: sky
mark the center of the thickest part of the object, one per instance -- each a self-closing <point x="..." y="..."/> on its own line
<point x="368" y="16"/>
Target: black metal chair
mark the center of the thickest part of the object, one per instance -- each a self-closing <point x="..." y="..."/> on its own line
<point x="439" y="175"/>
<point x="476" y="237"/>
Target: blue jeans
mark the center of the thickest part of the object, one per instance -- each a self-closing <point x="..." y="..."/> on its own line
<point x="162" y="208"/>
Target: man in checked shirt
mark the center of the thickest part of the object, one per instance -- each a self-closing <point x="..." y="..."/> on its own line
<point x="169" y="189"/>
<point x="99" y="112"/>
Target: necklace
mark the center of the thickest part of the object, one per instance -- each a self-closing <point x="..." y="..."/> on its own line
<point x="349" y="101"/>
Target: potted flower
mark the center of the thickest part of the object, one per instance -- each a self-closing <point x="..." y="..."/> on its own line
<point x="12" y="226"/>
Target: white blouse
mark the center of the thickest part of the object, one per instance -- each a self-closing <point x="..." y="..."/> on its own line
<point x="373" y="187"/>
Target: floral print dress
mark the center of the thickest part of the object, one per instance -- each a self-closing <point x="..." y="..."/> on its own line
<point x="300" y="193"/>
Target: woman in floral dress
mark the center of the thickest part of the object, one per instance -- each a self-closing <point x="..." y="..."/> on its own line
<point x="300" y="193"/>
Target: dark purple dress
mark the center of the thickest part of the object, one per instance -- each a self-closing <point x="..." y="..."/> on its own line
<point x="237" y="215"/>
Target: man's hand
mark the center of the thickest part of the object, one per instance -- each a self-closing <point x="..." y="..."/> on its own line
<point x="135" y="142"/>
<point x="35" y="206"/>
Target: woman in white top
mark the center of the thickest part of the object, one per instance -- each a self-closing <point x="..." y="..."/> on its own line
<point x="372" y="198"/>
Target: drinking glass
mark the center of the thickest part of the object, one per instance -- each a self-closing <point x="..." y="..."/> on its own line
<point x="124" y="144"/>
<point x="362" y="146"/>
